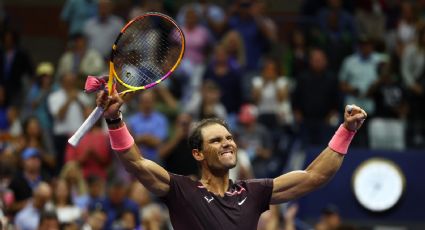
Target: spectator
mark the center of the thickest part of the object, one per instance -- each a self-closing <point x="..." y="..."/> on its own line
<point x="296" y="55"/>
<point x="211" y="15"/>
<point x="35" y="137"/>
<point x="29" y="217"/>
<point x="337" y="33"/>
<point x="72" y="174"/>
<point x="154" y="217"/>
<point x="370" y="19"/>
<point x="66" y="210"/>
<point x="198" y="39"/>
<point x="206" y="103"/>
<point x="117" y="202"/>
<point x="49" y="221"/>
<point x="315" y="101"/>
<point x="25" y="182"/>
<point x="270" y="92"/>
<point x="254" y="31"/>
<point x="229" y="81"/>
<point x="80" y="60"/>
<point x="329" y="219"/>
<point x="76" y="13"/>
<point x="106" y="24"/>
<point x="233" y="43"/>
<point x="67" y="105"/>
<point x="357" y="74"/>
<point x="93" y="152"/>
<point x="15" y="67"/>
<point x="387" y="127"/>
<point x="149" y="126"/>
<point x="406" y="26"/>
<point x="95" y="221"/>
<point x="96" y="192"/>
<point x="175" y="152"/>
<point x="255" y="139"/>
<point x="36" y="100"/>
<point x="413" y="75"/>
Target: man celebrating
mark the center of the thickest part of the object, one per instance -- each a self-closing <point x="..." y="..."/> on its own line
<point x="215" y="202"/>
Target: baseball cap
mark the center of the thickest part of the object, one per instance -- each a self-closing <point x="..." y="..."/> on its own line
<point x="248" y="113"/>
<point x="45" y="68"/>
<point x="30" y="152"/>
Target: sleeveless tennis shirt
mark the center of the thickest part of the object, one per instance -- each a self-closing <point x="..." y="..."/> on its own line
<point x="191" y="206"/>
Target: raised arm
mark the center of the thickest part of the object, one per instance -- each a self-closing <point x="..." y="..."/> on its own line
<point x="155" y="178"/>
<point x="298" y="183"/>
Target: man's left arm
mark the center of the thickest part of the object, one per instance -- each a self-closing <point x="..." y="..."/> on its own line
<point x="295" y="184"/>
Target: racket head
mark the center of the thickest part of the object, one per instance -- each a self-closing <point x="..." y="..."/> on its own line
<point x="147" y="50"/>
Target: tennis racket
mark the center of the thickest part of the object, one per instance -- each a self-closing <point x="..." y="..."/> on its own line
<point x="147" y="50"/>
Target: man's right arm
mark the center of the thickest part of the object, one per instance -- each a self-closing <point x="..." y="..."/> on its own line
<point x="155" y="178"/>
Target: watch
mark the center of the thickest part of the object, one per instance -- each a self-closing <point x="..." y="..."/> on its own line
<point x="114" y="121"/>
<point x="378" y="184"/>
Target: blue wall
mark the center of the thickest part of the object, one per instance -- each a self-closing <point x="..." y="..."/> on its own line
<point x="339" y="191"/>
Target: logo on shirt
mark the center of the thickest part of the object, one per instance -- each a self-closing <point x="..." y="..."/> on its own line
<point x="242" y="201"/>
<point x="209" y="200"/>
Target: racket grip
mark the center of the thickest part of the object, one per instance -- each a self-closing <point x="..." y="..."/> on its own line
<point x="86" y="126"/>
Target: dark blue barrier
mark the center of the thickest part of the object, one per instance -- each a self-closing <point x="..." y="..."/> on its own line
<point x="410" y="209"/>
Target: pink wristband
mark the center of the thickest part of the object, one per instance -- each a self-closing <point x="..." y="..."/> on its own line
<point x="120" y="138"/>
<point x="341" y="140"/>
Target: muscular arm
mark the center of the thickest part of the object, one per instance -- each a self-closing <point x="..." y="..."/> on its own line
<point x="155" y="178"/>
<point x="298" y="183"/>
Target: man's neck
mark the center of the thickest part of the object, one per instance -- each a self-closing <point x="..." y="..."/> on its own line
<point x="215" y="183"/>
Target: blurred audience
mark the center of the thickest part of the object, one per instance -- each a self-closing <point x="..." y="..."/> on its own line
<point x="29" y="217"/>
<point x="358" y="73"/>
<point x="316" y="101"/>
<point x="80" y="60"/>
<point x="175" y="153"/>
<point x="25" y="182"/>
<point x="76" y="12"/>
<point x="93" y="153"/>
<point x="68" y="106"/>
<point x="366" y="52"/>
<point x="149" y="126"/>
<point x="16" y="69"/>
<point x="102" y="30"/>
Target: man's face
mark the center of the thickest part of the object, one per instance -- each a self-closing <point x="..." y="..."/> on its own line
<point x="219" y="148"/>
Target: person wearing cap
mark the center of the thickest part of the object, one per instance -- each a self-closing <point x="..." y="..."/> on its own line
<point x="214" y="201"/>
<point x="35" y="103"/>
<point x="25" y="181"/>
<point x="255" y="139"/>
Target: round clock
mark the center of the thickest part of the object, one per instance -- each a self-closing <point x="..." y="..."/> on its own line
<point x="378" y="184"/>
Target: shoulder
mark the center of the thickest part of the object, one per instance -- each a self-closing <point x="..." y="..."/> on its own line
<point x="257" y="184"/>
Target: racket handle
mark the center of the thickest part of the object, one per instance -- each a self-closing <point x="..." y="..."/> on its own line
<point x="86" y="126"/>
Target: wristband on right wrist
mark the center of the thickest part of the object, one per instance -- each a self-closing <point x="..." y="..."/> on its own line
<point x="341" y="140"/>
<point x="121" y="139"/>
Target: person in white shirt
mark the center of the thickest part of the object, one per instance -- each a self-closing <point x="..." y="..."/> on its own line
<point x="68" y="106"/>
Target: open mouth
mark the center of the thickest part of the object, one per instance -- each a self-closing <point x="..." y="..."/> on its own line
<point x="227" y="153"/>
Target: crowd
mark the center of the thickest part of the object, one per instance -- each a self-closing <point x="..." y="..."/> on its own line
<point x="279" y="92"/>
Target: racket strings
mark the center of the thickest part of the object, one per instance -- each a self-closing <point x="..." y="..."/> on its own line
<point x="147" y="51"/>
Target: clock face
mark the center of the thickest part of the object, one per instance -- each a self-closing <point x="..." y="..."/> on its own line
<point x="378" y="184"/>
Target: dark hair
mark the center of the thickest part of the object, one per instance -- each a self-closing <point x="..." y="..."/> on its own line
<point x="48" y="215"/>
<point x="195" y="136"/>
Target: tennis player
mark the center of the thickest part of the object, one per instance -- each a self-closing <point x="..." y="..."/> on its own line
<point x="214" y="201"/>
